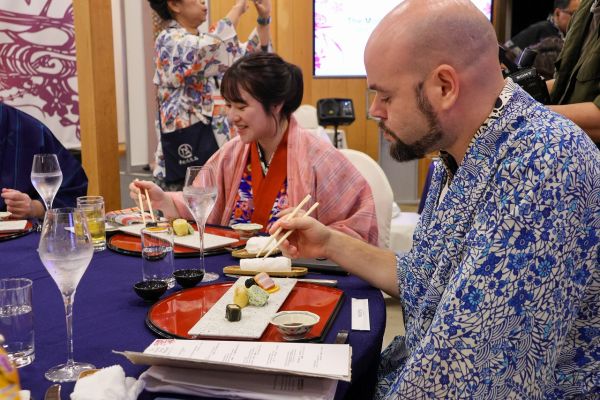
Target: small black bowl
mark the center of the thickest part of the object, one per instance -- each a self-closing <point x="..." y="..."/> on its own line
<point x="188" y="278"/>
<point x="150" y="290"/>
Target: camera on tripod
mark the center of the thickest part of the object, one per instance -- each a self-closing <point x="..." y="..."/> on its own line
<point x="525" y="75"/>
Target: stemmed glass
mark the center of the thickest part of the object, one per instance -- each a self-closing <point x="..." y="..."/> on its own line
<point x="66" y="249"/>
<point x="46" y="177"/>
<point x="200" y="195"/>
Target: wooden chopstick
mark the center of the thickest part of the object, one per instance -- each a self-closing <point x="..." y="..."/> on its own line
<point x="141" y="206"/>
<point x="278" y="231"/>
<point x="288" y="233"/>
<point x="149" y="204"/>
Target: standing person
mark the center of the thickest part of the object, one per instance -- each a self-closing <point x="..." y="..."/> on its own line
<point x="273" y="163"/>
<point x="189" y="67"/>
<point x="501" y="289"/>
<point x="575" y="91"/>
<point x="22" y="136"/>
<point x="554" y="26"/>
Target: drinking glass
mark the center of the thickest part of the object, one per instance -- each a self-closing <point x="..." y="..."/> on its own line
<point x="46" y="177"/>
<point x="200" y="195"/>
<point x="93" y="208"/>
<point x="157" y="253"/>
<point x="66" y="250"/>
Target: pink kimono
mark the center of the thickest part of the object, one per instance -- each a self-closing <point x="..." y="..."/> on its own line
<point x="314" y="167"/>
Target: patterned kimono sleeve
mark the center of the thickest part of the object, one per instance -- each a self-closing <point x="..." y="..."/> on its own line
<point x="504" y="316"/>
<point x="253" y="44"/>
<point x="182" y="56"/>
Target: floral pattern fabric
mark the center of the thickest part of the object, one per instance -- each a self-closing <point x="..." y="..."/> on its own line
<point x="244" y="203"/>
<point x="501" y="291"/>
<point x="189" y="69"/>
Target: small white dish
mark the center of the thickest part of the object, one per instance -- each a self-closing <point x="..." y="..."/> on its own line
<point x="294" y="325"/>
<point x="247" y="230"/>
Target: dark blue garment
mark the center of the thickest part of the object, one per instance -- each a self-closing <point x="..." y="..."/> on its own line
<point x="22" y="136"/>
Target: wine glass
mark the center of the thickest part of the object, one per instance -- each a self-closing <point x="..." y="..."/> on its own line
<point x="46" y="177"/>
<point x="200" y="195"/>
<point x="66" y="249"/>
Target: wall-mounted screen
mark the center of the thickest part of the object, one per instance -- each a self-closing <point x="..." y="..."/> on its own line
<point x="341" y="30"/>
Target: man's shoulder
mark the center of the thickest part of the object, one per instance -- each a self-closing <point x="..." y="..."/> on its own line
<point x="534" y="33"/>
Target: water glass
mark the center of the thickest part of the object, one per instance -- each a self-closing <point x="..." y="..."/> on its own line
<point x="157" y="253"/>
<point x="93" y="208"/>
<point x="16" y="320"/>
<point x="46" y="177"/>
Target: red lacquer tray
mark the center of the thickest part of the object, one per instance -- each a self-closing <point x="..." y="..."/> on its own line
<point x="132" y="246"/>
<point x="174" y="316"/>
<point x="14" y="235"/>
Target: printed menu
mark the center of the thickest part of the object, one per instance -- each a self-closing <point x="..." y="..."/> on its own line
<point x="332" y="361"/>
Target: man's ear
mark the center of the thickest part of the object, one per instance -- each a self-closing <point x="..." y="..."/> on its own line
<point x="443" y="88"/>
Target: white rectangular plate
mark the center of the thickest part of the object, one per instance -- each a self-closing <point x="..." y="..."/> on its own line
<point x="254" y="319"/>
<point x="12" y="226"/>
<point x="193" y="241"/>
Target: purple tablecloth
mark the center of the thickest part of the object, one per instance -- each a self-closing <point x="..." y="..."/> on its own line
<point x="108" y="316"/>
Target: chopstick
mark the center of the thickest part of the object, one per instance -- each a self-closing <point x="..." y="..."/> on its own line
<point x="141" y="206"/>
<point x="149" y="205"/>
<point x="288" y="233"/>
<point x="278" y="231"/>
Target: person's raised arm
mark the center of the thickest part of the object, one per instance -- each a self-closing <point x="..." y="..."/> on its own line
<point x="238" y="9"/>
<point x="312" y="239"/>
<point x="263" y="8"/>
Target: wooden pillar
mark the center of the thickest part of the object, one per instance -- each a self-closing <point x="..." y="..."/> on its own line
<point x="97" y="102"/>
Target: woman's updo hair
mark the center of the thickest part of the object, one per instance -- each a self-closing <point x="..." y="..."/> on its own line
<point x="161" y="8"/>
<point x="267" y="78"/>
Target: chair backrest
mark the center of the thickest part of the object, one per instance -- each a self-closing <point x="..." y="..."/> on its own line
<point x="306" y="115"/>
<point x="381" y="189"/>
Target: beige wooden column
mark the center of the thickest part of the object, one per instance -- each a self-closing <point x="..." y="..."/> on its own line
<point x="97" y="104"/>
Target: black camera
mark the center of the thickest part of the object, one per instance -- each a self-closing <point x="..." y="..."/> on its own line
<point x="525" y="75"/>
<point x="335" y="112"/>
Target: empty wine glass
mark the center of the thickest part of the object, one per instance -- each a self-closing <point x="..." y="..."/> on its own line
<point x="46" y="177"/>
<point x="200" y="195"/>
<point x="66" y="250"/>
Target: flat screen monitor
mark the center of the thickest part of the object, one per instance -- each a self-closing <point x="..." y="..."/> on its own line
<point x="341" y="29"/>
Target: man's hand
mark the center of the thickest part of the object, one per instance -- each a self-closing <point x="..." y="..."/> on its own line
<point x="21" y="205"/>
<point x="309" y="239"/>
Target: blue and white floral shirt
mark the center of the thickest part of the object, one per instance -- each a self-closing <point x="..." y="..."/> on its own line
<point x="501" y="290"/>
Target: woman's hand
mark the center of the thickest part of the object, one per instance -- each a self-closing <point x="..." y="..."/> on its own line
<point x="20" y="204"/>
<point x="158" y="198"/>
<point x="263" y="8"/>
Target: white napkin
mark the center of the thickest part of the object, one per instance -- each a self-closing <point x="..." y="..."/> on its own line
<point x="254" y="244"/>
<point x="107" y="384"/>
<point x="274" y="264"/>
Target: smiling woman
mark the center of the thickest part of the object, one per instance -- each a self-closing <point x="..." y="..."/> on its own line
<point x="272" y="163"/>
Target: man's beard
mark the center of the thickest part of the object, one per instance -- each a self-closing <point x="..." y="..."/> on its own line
<point x="401" y="151"/>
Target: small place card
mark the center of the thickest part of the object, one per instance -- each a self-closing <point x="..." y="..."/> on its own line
<point x="360" y="315"/>
<point x="13" y="226"/>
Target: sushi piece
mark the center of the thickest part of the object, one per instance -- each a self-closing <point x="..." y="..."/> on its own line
<point x="233" y="312"/>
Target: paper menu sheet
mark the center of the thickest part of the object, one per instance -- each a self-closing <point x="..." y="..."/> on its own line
<point x="308" y="359"/>
<point x="232" y="384"/>
<point x="193" y="241"/>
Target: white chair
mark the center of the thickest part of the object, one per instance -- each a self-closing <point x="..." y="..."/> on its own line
<point x="381" y="189"/>
<point x="306" y="115"/>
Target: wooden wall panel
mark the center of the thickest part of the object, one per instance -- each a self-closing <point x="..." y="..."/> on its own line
<point x="97" y="103"/>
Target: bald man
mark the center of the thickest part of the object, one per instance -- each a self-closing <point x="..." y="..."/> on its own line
<point x="501" y="290"/>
